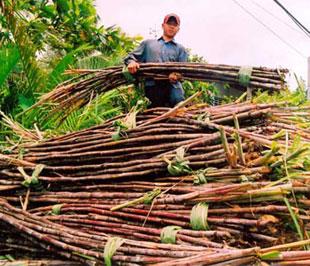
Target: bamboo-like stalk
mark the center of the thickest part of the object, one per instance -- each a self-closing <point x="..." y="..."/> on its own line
<point x="245" y="207"/>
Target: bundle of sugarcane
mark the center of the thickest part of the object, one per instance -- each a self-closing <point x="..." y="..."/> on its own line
<point x="110" y="151"/>
<point x="39" y="262"/>
<point x="94" y="249"/>
<point x="87" y="247"/>
<point x="110" y="211"/>
<point x="98" y="154"/>
<point x="242" y="225"/>
<point x="77" y="92"/>
<point x="174" y="204"/>
<point x="170" y="150"/>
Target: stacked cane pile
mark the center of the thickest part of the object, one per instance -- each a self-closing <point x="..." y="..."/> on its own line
<point x="196" y="185"/>
<point x="79" y="91"/>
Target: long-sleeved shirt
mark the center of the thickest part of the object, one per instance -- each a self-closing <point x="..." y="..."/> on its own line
<point x="158" y="50"/>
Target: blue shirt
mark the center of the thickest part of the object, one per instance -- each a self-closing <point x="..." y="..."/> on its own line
<point x="158" y="51"/>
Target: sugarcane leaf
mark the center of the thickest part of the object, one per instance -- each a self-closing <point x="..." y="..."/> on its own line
<point x="173" y="170"/>
<point x="204" y="117"/>
<point x="178" y="168"/>
<point x="244" y="75"/>
<point x="267" y="157"/>
<point x="35" y="175"/>
<point x="278" y="135"/>
<point x="119" y="124"/>
<point x="295" y="218"/>
<point x="83" y="255"/>
<point x="244" y="179"/>
<point x="151" y="195"/>
<point x="24" y="174"/>
<point x="274" y="147"/>
<point x="199" y="216"/>
<point x="200" y="178"/>
<point x="27" y="178"/>
<point x="8" y="257"/>
<point x="116" y="136"/>
<point x="21" y="152"/>
<point x="26" y="183"/>
<point x="147" y="198"/>
<point x="178" y="165"/>
<point x="120" y="127"/>
<point x="180" y="153"/>
<point x="32" y="180"/>
<point x="56" y="209"/>
<point x="270" y="255"/>
<point x="168" y="234"/>
<point x="129" y="121"/>
<point x="113" y="243"/>
<point x="241" y="97"/>
<point x="297" y="143"/>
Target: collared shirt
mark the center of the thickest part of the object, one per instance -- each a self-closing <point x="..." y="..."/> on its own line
<point x="158" y="51"/>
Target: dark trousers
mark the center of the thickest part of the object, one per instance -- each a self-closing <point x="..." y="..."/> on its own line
<point x="164" y="94"/>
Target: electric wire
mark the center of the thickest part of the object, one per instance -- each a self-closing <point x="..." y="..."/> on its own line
<point x="266" y="26"/>
<point x="276" y="17"/>
<point x="301" y="26"/>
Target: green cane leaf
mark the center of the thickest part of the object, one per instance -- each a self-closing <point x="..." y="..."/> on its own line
<point x="56" y="209"/>
<point x="270" y="255"/>
<point x="199" y="217"/>
<point x="110" y="248"/>
<point x="168" y="234"/>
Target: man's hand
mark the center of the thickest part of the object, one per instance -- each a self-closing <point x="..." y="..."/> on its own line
<point x="133" y="67"/>
<point x="174" y="77"/>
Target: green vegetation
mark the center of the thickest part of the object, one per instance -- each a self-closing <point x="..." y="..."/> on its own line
<point x="39" y="41"/>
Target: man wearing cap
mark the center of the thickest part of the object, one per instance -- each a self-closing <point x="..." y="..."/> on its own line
<point x="164" y="49"/>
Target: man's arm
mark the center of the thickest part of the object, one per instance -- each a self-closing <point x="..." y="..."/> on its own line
<point x="132" y="59"/>
<point x="174" y="77"/>
<point x="183" y="55"/>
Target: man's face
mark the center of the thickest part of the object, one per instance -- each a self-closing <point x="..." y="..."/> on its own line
<point x="170" y="28"/>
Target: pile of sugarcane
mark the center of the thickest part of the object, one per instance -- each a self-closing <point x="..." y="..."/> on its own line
<point x="198" y="184"/>
<point x="78" y="91"/>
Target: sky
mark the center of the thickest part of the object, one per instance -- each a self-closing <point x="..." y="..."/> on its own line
<point x="223" y="31"/>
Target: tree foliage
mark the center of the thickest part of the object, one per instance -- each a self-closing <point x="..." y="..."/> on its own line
<point x="39" y="40"/>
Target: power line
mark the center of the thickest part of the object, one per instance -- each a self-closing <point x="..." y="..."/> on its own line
<point x="276" y="17"/>
<point x="272" y="31"/>
<point x="301" y="26"/>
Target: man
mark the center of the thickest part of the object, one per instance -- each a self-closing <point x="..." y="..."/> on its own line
<point x="165" y="49"/>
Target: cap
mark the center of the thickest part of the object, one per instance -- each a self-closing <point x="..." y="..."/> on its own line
<point x="172" y="16"/>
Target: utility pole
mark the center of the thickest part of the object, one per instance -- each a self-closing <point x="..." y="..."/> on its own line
<point x="308" y="80"/>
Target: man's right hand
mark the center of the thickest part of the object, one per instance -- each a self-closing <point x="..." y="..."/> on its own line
<point x="174" y="77"/>
<point x="133" y="67"/>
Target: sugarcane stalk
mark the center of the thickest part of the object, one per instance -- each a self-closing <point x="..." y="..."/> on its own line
<point x="147" y="197"/>
<point x="238" y="141"/>
<point x="226" y="147"/>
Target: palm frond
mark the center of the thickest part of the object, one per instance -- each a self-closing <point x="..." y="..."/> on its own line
<point x="98" y="61"/>
<point x="56" y="75"/>
<point x="95" y="112"/>
<point x="16" y="23"/>
<point x="9" y="57"/>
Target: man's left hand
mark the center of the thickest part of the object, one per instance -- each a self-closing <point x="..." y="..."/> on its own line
<point x="174" y="77"/>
